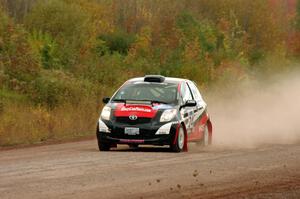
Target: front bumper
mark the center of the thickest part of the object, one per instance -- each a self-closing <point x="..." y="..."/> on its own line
<point x="159" y="140"/>
<point x="148" y="135"/>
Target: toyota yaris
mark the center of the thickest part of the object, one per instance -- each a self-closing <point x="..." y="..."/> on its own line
<point x="154" y="110"/>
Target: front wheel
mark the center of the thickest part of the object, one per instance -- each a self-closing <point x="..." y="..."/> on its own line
<point x="133" y="146"/>
<point x="103" y="146"/>
<point x="179" y="143"/>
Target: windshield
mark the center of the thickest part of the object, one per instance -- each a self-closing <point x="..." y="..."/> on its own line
<point x="161" y="93"/>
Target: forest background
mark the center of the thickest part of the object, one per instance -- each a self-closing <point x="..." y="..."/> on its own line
<point x="58" y="58"/>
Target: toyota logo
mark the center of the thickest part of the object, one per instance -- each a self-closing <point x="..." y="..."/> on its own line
<point x="133" y="117"/>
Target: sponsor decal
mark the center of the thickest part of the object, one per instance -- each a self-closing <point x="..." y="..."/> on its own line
<point x="141" y="109"/>
<point x="134" y="111"/>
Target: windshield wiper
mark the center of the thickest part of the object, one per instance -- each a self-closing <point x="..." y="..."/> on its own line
<point x="155" y="101"/>
<point x="140" y="100"/>
<point x="119" y="100"/>
<point x="158" y="102"/>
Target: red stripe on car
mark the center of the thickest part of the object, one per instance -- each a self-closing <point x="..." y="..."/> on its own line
<point x="198" y="130"/>
<point x="178" y="88"/>
<point x="176" y="135"/>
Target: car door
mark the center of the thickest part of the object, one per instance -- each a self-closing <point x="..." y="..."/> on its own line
<point x="187" y="112"/>
<point x="199" y="113"/>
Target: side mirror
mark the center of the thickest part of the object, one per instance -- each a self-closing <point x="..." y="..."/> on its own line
<point x="105" y="100"/>
<point x="189" y="103"/>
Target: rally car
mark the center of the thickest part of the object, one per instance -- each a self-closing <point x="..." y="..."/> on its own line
<point x="154" y="110"/>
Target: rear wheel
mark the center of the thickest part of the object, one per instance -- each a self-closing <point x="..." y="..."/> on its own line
<point x="179" y="143"/>
<point x="205" y="140"/>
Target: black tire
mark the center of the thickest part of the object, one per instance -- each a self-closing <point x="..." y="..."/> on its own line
<point x="179" y="144"/>
<point x="133" y="146"/>
<point x="103" y="146"/>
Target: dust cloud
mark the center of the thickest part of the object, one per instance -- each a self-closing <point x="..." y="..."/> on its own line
<point x="261" y="113"/>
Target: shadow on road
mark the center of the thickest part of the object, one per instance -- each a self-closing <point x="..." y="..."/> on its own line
<point x="142" y="149"/>
<point x="162" y="149"/>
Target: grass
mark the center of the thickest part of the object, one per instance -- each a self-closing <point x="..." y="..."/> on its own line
<point x="24" y="124"/>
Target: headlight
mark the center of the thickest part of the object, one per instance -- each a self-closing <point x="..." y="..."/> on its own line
<point x="103" y="127"/>
<point x="105" y="114"/>
<point x="168" y="115"/>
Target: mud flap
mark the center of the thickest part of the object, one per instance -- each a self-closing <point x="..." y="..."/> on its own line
<point x="210" y="129"/>
<point x="185" y="146"/>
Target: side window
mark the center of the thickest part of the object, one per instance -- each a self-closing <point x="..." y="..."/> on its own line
<point x="195" y="91"/>
<point x="185" y="92"/>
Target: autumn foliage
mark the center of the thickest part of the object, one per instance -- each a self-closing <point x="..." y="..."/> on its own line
<point x="59" y="57"/>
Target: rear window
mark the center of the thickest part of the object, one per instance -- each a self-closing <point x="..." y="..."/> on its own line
<point x="142" y="91"/>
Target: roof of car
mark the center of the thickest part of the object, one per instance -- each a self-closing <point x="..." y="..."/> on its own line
<point x="166" y="80"/>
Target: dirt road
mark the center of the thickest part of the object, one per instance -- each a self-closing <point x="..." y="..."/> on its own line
<point x="79" y="170"/>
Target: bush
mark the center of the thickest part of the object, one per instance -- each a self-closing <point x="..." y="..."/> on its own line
<point x="16" y="57"/>
<point x="46" y="48"/>
<point x="54" y="88"/>
<point x="3" y="79"/>
<point x="65" y="23"/>
<point x="1" y="106"/>
<point x="118" y="41"/>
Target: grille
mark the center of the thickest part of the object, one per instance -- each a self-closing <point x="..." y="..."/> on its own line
<point x="144" y="134"/>
<point x="126" y="120"/>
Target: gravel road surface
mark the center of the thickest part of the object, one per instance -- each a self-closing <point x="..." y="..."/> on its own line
<point x="79" y="170"/>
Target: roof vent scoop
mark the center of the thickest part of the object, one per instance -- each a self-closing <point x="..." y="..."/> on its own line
<point x="154" y="78"/>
